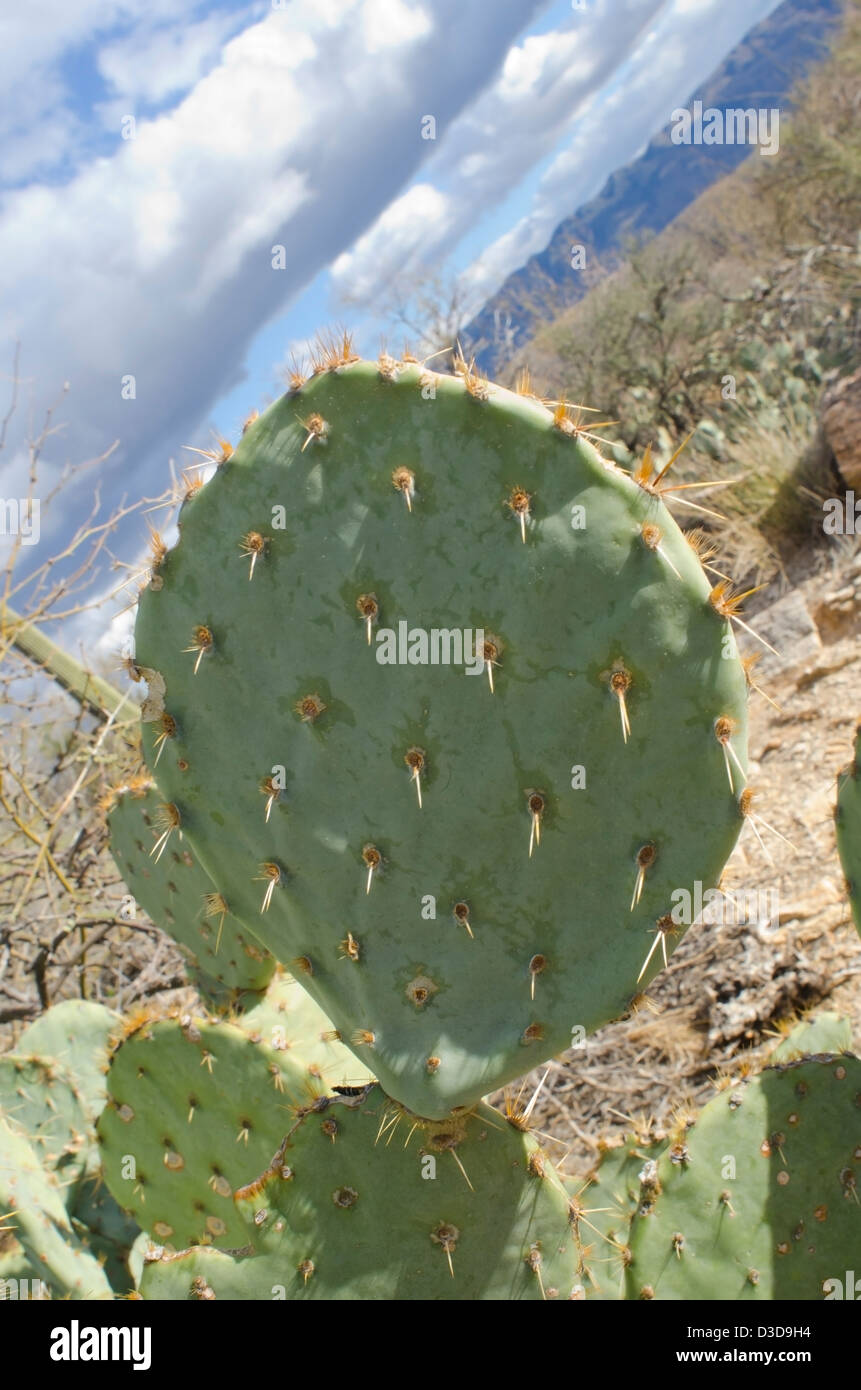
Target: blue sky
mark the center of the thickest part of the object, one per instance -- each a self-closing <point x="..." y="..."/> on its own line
<point x="294" y="124"/>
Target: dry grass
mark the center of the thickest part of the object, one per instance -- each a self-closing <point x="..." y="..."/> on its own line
<point x="62" y="932"/>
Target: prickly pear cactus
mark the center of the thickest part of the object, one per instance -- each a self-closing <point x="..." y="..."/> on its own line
<point x="40" y="1099"/>
<point x="75" y="1033"/>
<point x="181" y="898"/>
<point x="288" y="1020"/>
<point x="827" y="1032"/>
<point x="848" y="825"/>
<point x="194" y="1110"/>
<point x="106" y="1231"/>
<point x="52" y="1091"/>
<point x="40" y="1223"/>
<point x="467" y="1209"/>
<point x="603" y="1206"/>
<point x="463" y="846"/>
<point x="759" y="1200"/>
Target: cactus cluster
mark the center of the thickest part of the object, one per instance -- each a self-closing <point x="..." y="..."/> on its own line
<point x="421" y="672"/>
<point x="476" y="1211"/>
<point x="64" y="1231"/>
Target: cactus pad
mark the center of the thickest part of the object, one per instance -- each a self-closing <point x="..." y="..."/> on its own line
<point x="181" y="898"/>
<point x="826" y="1033"/>
<point x="75" y="1033"/>
<point x="201" y="1274"/>
<point x="459" y="868"/>
<point x="194" y="1110"/>
<point x="39" y="1099"/>
<point x="606" y="1203"/>
<point x="288" y="1020"/>
<point x="41" y="1223"/>
<point x="468" y="1209"/>
<point x="759" y="1200"/>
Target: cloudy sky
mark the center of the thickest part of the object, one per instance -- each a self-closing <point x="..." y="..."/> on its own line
<point x="154" y="152"/>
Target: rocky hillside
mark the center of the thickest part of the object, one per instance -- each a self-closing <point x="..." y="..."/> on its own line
<point x="646" y="195"/>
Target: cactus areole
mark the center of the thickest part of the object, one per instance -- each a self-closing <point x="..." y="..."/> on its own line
<point x="460" y="841"/>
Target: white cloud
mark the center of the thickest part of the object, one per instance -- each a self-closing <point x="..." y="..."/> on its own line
<point x="157" y="260"/>
<point x="591" y="90"/>
<point x="39" y="128"/>
<point x="395" y="238"/>
<point x="151" y="64"/>
<point x="545" y="83"/>
<point x="390" y="23"/>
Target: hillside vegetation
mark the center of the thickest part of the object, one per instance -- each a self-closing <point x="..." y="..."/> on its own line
<point x="731" y="321"/>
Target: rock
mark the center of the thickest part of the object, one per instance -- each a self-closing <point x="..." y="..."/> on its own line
<point x="789" y="628"/>
<point x="841" y="421"/>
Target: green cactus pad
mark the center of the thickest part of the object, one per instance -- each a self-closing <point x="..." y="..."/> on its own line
<point x="179" y="896"/>
<point x="19" y="1279"/>
<point x="40" y="1099"/>
<point x="201" y="1275"/>
<point x="106" y="1231"/>
<point x="380" y="495"/>
<point x="787" y="1222"/>
<point x="848" y="826"/>
<point x="41" y="1223"/>
<point x="606" y="1202"/>
<point x="288" y="1020"/>
<point x="194" y="1110"/>
<point x="469" y="1209"/>
<point x="76" y="1034"/>
<point x="827" y="1032"/>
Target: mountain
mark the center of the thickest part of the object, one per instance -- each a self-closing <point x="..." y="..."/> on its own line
<point x="647" y="194"/>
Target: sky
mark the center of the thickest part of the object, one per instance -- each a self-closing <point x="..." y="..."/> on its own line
<point x="189" y="191"/>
